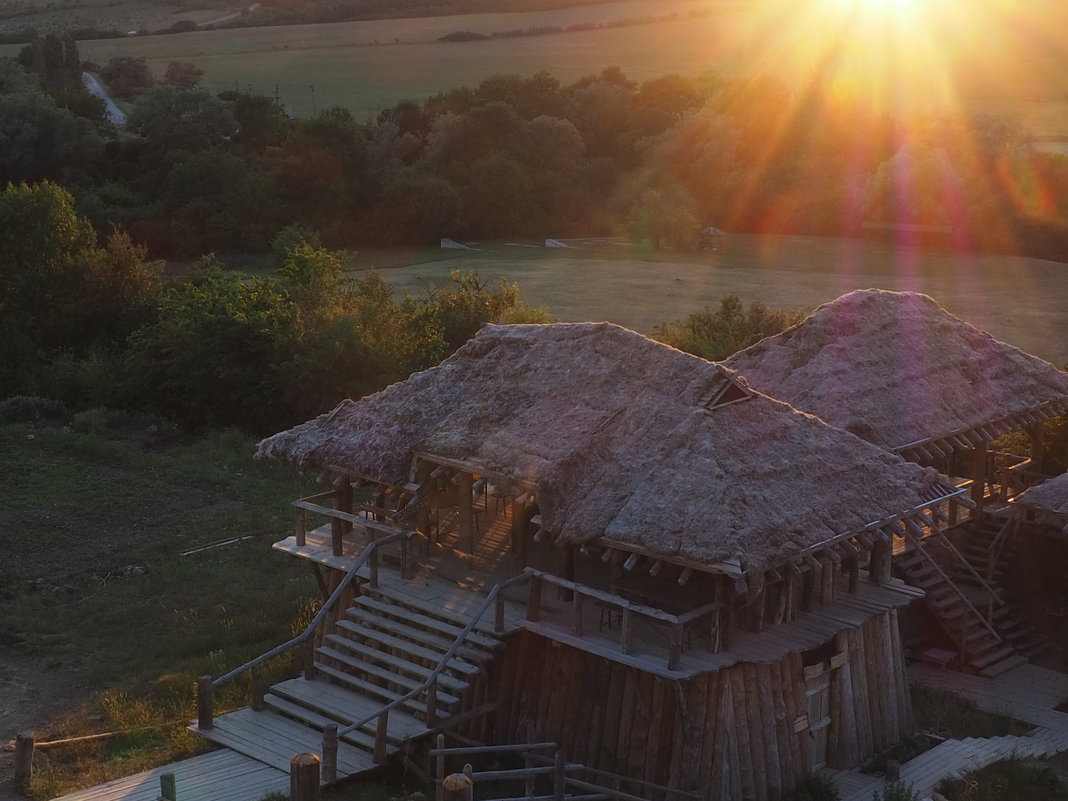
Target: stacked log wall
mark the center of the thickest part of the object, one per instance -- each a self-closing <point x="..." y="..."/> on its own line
<point x="731" y="734"/>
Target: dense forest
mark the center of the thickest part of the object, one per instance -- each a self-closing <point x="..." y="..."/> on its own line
<point x="88" y="319"/>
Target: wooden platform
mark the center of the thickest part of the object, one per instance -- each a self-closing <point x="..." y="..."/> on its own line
<point x="222" y="774"/>
<point x="273" y="740"/>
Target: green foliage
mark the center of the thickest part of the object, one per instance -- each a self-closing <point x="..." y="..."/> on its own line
<point x="127" y="76"/>
<point x="813" y="787"/>
<point x="896" y="791"/>
<point x="1007" y="780"/>
<point x="715" y="335"/>
<point x="951" y="716"/>
<point x="900" y="752"/>
<point x="29" y="409"/>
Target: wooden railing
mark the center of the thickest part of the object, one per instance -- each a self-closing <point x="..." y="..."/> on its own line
<point x="626" y="609"/>
<point x="565" y="776"/>
<point x="206" y="685"/>
<point x="429" y="685"/>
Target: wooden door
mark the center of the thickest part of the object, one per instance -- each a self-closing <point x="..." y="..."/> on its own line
<point x="818" y="697"/>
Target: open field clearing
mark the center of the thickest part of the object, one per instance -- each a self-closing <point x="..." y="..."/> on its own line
<point x="1021" y="301"/>
<point x="122" y="15"/>
<point x="984" y="63"/>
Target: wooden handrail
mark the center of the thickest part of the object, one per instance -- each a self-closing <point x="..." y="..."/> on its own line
<point x="308" y="632"/>
<point x="934" y="562"/>
<point x="975" y="573"/>
<point x="431" y="679"/>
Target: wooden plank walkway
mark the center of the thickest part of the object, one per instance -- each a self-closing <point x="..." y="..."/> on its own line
<point x="1026" y="693"/>
<point x="222" y="774"/>
<point x="274" y="739"/>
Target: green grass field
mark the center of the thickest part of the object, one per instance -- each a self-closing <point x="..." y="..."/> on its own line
<point x="1019" y="300"/>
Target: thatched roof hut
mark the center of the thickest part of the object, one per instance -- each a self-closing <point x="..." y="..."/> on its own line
<point x="625" y="440"/>
<point x="898" y="370"/>
<point x="1049" y="496"/>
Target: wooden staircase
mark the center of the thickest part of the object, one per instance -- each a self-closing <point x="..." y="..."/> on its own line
<point x="959" y="610"/>
<point x="989" y="546"/>
<point x="381" y="649"/>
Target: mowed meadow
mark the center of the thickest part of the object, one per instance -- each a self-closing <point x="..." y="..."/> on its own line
<point x="991" y="65"/>
<point x="1021" y="301"/>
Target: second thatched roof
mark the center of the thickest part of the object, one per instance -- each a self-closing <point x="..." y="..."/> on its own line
<point x="1049" y="496"/>
<point x="626" y="440"/>
<point x="898" y="370"/>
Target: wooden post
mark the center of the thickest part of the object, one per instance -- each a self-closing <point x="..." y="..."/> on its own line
<point x="23" y="759"/>
<point x="374" y="564"/>
<point x="304" y="777"/>
<point x="1036" y="432"/>
<point x="381" y="729"/>
<point x="576" y="613"/>
<point x="329" y="769"/>
<point x="257" y="687"/>
<point x="534" y="599"/>
<point x="205" y="702"/>
<point x="879" y="562"/>
<point x="567" y="570"/>
<point x="308" y="648"/>
<point x="626" y="634"/>
<point x="519" y="536"/>
<point x="439" y="785"/>
<point x="675" y="647"/>
<point x="337" y="537"/>
<point x="168" y="787"/>
<point x="467" y="513"/>
<point x="559" y="777"/>
<point x="300" y="528"/>
<point x="432" y="705"/>
<point x="852" y="566"/>
<point x="979" y="477"/>
<point x="343" y="499"/>
<point x="498" y="614"/>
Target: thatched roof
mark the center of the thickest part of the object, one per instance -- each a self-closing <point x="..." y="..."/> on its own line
<point x="1050" y="496"/>
<point x="625" y="439"/>
<point x="898" y="370"/>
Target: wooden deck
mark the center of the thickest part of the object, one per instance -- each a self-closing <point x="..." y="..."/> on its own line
<point x="222" y="774"/>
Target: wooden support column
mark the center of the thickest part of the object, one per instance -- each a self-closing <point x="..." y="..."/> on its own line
<point x="567" y="570"/>
<point x="852" y="567"/>
<point x="24" y="744"/>
<point x="304" y="777"/>
<point x="979" y="477"/>
<point x="726" y="624"/>
<point x="1036" y="432"/>
<point x="827" y="585"/>
<point x="808" y="582"/>
<point x="519" y="536"/>
<point x="467" y="513"/>
<point x="879" y="562"/>
<point x="343" y="501"/>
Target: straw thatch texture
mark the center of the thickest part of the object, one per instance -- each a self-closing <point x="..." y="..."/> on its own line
<point x="1051" y="495"/>
<point x="615" y="432"/>
<point x="896" y="368"/>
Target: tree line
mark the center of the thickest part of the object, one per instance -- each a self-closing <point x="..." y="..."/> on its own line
<point x="518" y="157"/>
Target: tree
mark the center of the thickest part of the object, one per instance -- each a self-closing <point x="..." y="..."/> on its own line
<point x="127" y="76"/>
<point x="39" y="141"/>
<point x="715" y="335"/>
<point x="182" y="73"/>
<point x="181" y="118"/>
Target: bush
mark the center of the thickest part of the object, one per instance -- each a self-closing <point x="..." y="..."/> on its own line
<point x="811" y="788"/>
<point x="1008" y="779"/>
<point x="897" y="791"/>
<point x="27" y="409"/>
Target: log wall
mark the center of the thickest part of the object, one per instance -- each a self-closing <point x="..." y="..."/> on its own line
<point x="730" y="734"/>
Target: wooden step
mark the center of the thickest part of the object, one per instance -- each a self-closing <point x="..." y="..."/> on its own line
<point x="360" y="738"/>
<point x="273" y="739"/>
<point x="369" y="671"/>
<point x="346" y="706"/>
<point x="445" y="628"/>
<point x="1006" y="664"/>
<point x="398" y="628"/>
<point x="395" y="664"/>
<point x="485" y="625"/>
<point x="406" y="646"/>
<point x="992" y="656"/>
<point x="383" y="694"/>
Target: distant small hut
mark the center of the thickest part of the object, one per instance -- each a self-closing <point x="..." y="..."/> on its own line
<point x="711" y="238"/>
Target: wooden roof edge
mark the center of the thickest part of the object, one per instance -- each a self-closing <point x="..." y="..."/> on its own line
<point x="988" y="430"/>
<point x="471" y="466"/>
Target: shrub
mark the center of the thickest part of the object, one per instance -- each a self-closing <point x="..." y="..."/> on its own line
<point x="28" y="409"/>
<point x="812" y="788"/>
<point x="897" y="791"/>
<point x="1007" y="779"/>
